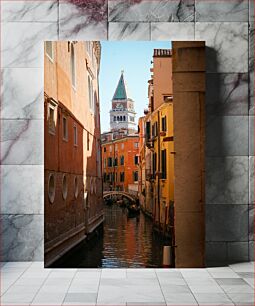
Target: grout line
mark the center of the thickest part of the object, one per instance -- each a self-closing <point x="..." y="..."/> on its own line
<point x="69" y="286"/>
<point x="160" y="287"/>
<point x="15" y="280"/>
<point x="98" y="286"/>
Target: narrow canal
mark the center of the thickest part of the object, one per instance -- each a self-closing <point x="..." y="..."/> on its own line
<point x="122" y="242"/>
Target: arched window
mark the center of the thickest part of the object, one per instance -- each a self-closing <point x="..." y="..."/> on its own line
<point x="51" y="187"/>
<point x="120" y="118"/>
<point x="64" y="187"/>
<point x="124" y="118"/>
<point x="114" y="118"/>
<point x="76" y="187"/>
<point x="73" y="66"/>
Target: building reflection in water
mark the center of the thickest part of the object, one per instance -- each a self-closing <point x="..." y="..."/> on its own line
<point x="122" y="243"/>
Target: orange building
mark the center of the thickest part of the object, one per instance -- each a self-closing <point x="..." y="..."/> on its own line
<point x="72" y="165"/>
<point x="120" y="163"/>
<point x="120" y="145"/>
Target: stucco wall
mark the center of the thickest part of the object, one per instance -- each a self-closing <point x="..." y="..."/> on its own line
<point x="228" y="30"/>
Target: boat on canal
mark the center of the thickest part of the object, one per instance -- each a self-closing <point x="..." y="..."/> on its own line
<point x="133" y="210"/>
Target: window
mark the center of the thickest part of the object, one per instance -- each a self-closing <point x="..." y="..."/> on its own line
<point x="122" y="160"/>
<point x="87" y="141"/>
<point x="136" y="160"/>
<point x="76" y="187"/>
<point x="51" y="188"/>
<point x="64" y="187"/>
<point x="122" y="146"/>
<point x="132" y="119"/>
<point x="51" y="120"/>
<point x="122" y="176"/>
<point x="65" y="129"/>
<point x="104" y="149"/>
<point x="116" y="161"/>
<point x="105" y="163"/>
<point x="148" y="130"/>
<point x="163" y="164"/>
<point x="136" y="145"/>
<point x="124" y="118"/>
<point x="135" y="176"/>
<point x="73" y="72"/>
<point x="154" y="164"/>
<point x="90" y="92"/>
<point x="114" y="118"/>
<point x="49" y="49"/>
<point x="109" y="162"/>
<point x="163" y="124"/>
<point x="155" y="129"/>
<point x="75" y="136"/>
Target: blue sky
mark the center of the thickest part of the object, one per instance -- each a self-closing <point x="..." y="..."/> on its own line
<point x="134" y="57"/>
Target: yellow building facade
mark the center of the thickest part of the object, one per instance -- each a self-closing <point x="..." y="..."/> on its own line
<point x="156" y="173"/>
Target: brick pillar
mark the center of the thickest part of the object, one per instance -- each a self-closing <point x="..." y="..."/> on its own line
<point x="189" y="144"/>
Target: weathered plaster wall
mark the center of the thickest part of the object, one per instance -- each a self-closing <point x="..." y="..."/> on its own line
<point x="228" y="30"/>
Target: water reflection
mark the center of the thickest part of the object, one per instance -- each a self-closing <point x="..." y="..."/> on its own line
<point x="123" y="242"/>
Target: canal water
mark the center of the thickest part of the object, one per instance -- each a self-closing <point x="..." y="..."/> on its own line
<point x="122" y="242"/>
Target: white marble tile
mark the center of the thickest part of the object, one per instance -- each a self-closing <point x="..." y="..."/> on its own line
<point x="251" y="180"/>
<point x="44" y="298"/>
<point x="238" y="251"/>
<point x="16" y="179"/>
<point x="243" y="267"/>
<point x="22" y="93"/>
<point x="222" y="272"/>
<point x="213" y="299"/>
<point x="22" y="142"/>
<point x="251" y="10"/>
<point x="22" y="237"/>
<point x="84" y="285"/>
<point x="151" y="10"/>
<point x="62" y="273"/>
<point x="251" y="135"/>
<point x="82" y="20"/>
<point x="180" y="299"/>
<point x="23" y="10"/>
<point x="226" y="222"/>
<point x="22" y="43"/>
<point x="227" y="43"/>
<point x="111" y="295"/>
<point x="226" y="94"/>
<point x="172" y="31"/>
<point x="234" y="10"/>
<point x="117" y="273"/>
<point x="242" y="299"/>
<point x="227" y="135"/>
<point x="195" y="273"/>
<point x="227" y="180"/>
<point x="128" y="31"/>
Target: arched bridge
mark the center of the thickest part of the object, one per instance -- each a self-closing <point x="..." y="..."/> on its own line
<point x="129" y="196"/>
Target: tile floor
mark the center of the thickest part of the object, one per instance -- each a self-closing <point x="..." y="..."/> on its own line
<point x="28" y="283"/>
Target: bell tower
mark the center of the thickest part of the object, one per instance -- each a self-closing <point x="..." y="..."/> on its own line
<point x="122" y="114"/>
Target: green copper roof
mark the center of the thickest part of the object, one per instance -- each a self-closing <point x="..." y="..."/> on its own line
<point x="121" y="90"/>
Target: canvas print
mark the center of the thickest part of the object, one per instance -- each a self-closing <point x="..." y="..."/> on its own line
<point x="124" y="154"/>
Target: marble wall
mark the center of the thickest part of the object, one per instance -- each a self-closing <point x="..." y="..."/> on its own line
<point x="228" y="30"/>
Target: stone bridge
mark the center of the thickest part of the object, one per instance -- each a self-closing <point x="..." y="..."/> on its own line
<point x="129" y="196"/>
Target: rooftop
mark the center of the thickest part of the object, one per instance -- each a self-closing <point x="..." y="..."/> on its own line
<point x="162" y="53"/>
